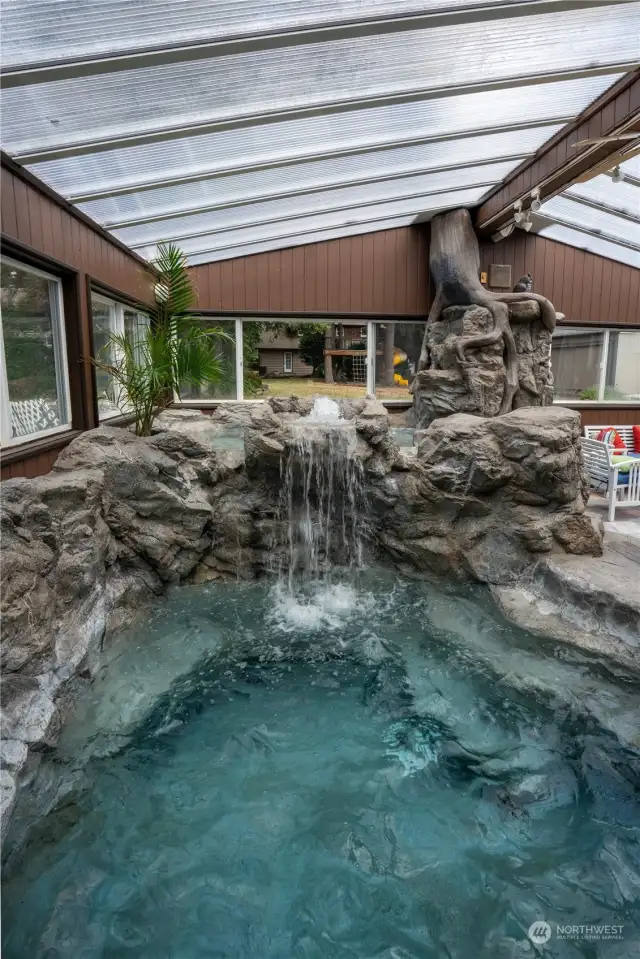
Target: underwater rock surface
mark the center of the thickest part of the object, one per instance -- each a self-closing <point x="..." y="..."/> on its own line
<point x="120" y="518"/>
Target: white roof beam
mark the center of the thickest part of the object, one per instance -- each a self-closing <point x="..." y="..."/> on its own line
<point x="62" y="150"/>
<point x="305" y="191"/>
<point x="363" y="148"/>
<point x="596" y="234"/>
<point x="163" y="54"/>
<point x="303" y="215"/>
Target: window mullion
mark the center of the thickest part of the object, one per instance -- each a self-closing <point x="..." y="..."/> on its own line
<point x="239" y="360"/>
<point x="602" y="382"/>
<point x="5" y="414"/>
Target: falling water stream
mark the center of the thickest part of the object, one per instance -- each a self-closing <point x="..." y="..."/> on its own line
<point x="322" y="503"/>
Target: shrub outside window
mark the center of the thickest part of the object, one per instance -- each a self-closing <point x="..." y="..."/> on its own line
<point x="33" y="365"/>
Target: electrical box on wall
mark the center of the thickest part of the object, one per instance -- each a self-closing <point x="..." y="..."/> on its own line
<point x="500" y="275"/>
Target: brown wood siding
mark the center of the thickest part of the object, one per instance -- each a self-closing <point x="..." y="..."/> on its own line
<point x="383" y="273"/>
<point x="607" y="416"/>
<point x="35" y="225"/>
<point x="588" y="289"/>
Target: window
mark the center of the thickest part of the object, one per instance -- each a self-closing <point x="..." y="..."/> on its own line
<point x="226" y="389"/>
<point x="398" y="347"/>
<point x="33" y="365"/>
<point x="288" y="362"/>
<point x="112" y="318"/>
<point x="596" y="365"/>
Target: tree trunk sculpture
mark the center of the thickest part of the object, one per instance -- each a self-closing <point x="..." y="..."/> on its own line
<point x="454" y="261"/>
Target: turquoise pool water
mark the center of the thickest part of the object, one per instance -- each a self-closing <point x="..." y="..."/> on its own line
<point x="375" y="768"/>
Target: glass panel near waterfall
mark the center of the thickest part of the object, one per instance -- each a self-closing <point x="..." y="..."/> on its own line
<point x="298" y="358"/>
<point x="225" y="388"/>
<point x="576" y="361"/>
<point x="398" y="348"/>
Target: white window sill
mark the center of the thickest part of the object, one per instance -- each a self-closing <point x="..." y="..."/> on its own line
<point x="31" y="437"/>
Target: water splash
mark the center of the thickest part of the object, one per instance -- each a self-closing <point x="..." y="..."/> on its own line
<point x="322" y="504"/>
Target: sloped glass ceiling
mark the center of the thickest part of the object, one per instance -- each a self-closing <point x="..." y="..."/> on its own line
<point x="601" y="215"/>
<point x="245" y="125"/>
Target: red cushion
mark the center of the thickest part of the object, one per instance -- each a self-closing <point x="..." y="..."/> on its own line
<point x="611" y="436"/>
<point x="636" y="439"/>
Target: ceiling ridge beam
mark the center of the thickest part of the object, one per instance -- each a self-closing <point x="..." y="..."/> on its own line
<point x="175" y="238"/>
<point x="558" y="164"/>
<point x="301" y="159"/>
<point x="71" y="67"/>
<point x="308" y="190"/>
<point x="331" y="107"/>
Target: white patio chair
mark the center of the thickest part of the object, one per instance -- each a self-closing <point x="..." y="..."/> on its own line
<point x="620" y="488"/>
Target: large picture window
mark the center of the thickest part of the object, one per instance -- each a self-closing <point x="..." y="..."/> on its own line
<point x="345" y="358"/>
<point x="33" y="365"/>
<point x="112" y="318"/>
<point x="601" y="366"/>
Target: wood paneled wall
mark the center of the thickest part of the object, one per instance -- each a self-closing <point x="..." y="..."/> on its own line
<point x="42" y="229"/>
<point x="385" y="272"/>
<point x="585" y="287"/>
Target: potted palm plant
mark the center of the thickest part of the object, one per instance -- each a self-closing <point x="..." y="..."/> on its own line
<point x="173" y="351"/>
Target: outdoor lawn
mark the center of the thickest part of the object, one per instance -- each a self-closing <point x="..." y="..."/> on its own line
<point x="306" y="386"/>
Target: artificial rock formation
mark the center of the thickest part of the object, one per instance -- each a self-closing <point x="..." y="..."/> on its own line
<point x="478" y="385"/>
<point x="481" y="320"/>
<point x="121" y="518"/>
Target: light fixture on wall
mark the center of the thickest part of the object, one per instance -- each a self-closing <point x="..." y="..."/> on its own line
<point x="526" y="223"/>
<point x="518" y="214"/>
<point x="504" y="232"/>
<point x="536" y="202"/>
<point x="617" y="175"/>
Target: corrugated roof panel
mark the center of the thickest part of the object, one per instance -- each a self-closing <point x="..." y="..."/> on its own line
<point x="191" y="157"/>
<point x="90" y="28"/>
<point x="117" y="210"/>
<point x="573" y="213"/>
<point x="153" y="100"/>
<point x="283" y="243"/>
<point x="624" y="197"/>
<point x="417" y="207"/>
<point x="593" y="244"/>
<point x="302" y="204"/>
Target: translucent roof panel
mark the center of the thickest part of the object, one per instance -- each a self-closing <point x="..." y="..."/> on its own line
<point x="621" y="197"/>
<point x="92" y="28"/>
<point x="417" y="207"/>
<point x="176" y="228"/>
<point x="137" y="207"/>
<point x="572" y="213"/>
<point x="177" y="160"/>
<point x="593" y="244"/>
<point x="87" y="111"/>
<point x="315" y="236"/>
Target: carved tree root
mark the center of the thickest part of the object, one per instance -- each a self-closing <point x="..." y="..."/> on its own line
<point x="454" y="260"/>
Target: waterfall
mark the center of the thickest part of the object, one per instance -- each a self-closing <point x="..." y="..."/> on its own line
<point x="322" y="501"/>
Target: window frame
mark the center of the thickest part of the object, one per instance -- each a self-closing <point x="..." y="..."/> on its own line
<point x="603" y="366"/>
<point x="287" y="367"/>
<point x="117" y="309"/>
<point x="59" y="334"/>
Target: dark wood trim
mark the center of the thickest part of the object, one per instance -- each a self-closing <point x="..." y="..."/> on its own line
<point x="41" y="261"/>
<point x="103" y="289"/>
<point x="27" y="177"/>
<point x="13" y="454"/>
<point x="557" y="163"/>
<point x="312" y="316"/>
